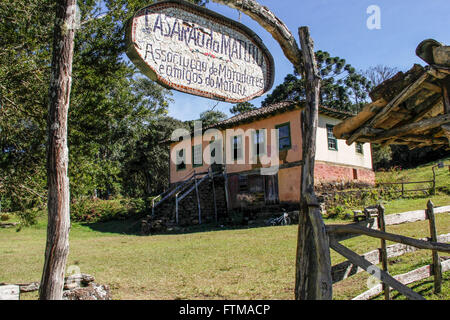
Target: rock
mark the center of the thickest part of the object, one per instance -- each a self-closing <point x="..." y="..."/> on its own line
<point x="92" y="292"/>
<point x="29" y="287"/>
<point x="80" y="278"/>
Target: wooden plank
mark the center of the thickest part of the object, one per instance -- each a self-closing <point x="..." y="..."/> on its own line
<point x="446" y="129"/>
<point x="371" y="224"/>
<point x="432" y="87"/>
<point x="443" y="247"/>
<point x="392" y="219"/>
<point x="437" y="272"/>
<point x="349" y="125"/>
<point x="422" y="125"/>
<point x="412" y="216"/>
<point x="383" y="251"/>
<point x="405" y="278"/>
<point x="384" y="113"/>
<point x="10" y="292"/>
<point x="445" y="85"/>
<point x="384" y="277"/>
<point x="198" y="202"/>
<point x="405" y="217"/>
<point x="346" y="269"/>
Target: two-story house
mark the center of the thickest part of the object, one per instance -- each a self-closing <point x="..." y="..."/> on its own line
<point x="261" y="153"/>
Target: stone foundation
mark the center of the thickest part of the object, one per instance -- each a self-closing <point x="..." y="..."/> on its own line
<point x="188" y="208"/>
<point x="326" y="172"/>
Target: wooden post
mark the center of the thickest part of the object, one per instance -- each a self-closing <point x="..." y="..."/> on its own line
<point x="383" y="251"/>
<point x="437" y="270"/>
<point x="153" y="207"/>
<point x="198" y="201"/>
<point x="214" y="193"/>
<point x="176" y="208"/>
<point x="227" y="197"/>
<point x="57" y="246"/>
<point x="445" y="85"/>
<point x="433" y="188"/>
<point x="313" y="264"/>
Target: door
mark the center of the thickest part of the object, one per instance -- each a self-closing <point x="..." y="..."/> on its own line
<point x="271" y="189"/>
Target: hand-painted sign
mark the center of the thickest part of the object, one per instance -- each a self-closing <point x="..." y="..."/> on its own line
<point x="197" y="51"/>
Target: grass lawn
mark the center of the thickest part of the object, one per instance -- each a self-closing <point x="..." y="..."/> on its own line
<point x="251" y="263"/>
<point x="247" y="263"/>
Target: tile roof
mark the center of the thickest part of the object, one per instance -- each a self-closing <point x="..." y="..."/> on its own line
<point x="271" y="110"/>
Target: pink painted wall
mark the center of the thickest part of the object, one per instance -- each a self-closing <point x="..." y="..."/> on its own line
<point x="291" y="155"/>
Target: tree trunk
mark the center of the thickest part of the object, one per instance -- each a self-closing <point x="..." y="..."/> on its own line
<point x="313" y="264"/>
<point x="313" y="269"/>
<point x="57" y="247"/>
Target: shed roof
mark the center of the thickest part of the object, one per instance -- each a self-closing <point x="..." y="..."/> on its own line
<point x="412" y="108"/>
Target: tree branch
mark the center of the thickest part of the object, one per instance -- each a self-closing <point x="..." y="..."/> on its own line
<point x="272" y="24"/>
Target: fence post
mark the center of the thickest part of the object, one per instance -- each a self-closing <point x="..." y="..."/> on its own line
<point x="403" y="189"/>
<point x="211" y="173"/>
<point x="153" y="207"/>
<point x="436" y="269"/>
<point x="198" y="202"/>
<point x="176" y="207"/>
<point x="383" y="251"/>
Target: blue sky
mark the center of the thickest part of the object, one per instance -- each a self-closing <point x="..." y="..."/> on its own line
<point x="339" y="27"/>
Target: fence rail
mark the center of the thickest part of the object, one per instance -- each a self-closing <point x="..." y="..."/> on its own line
<point x="356" y="262"/>
<point x="431" y="190"/>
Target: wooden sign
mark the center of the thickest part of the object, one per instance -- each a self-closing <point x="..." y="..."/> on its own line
<point x="195" y="50"/>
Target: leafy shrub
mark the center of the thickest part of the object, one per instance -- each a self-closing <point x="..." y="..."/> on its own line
<point x="28" y="217"/>
<point x="87" y="210"/>
<point x="4" y="217"/>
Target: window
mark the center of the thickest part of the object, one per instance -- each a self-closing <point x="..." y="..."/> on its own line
<point x="332" y="141"/>
<point x="197" y="158"/>
<point x="284" y="136"/>
<point x="259" y="142"/>
<point x="243" y="183"/>
<point x="181" y="160"/>
<point x="359" y="148"/>
<point x="236" y="147"/>
<point x="216" y="151"/>
<point x="355" y="174"/>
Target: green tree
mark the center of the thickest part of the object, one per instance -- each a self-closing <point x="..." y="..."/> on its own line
<point x="381" y="155"/>
<point x="146" y="162"/>
<point x="342" y="88"/>
<point x="210" y="117"/>
<point x="242" y="107"/>
<point x="110" y="104"/>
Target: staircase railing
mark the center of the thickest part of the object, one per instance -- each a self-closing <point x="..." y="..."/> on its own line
<point x="163" y="196"/>
<point x="178" y="198"/>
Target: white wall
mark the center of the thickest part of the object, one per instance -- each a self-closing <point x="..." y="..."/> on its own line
<point x="345" y="154"/>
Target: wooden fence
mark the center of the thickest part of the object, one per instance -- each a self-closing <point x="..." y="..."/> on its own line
<point x="376" y="228"/>
<point x="431" y="190"/>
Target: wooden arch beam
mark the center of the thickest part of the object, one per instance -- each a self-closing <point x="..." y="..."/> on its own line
<point x="269" y="21"/>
